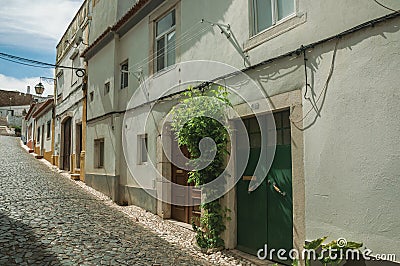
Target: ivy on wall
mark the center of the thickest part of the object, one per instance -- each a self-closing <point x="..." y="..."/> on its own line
<point x="198" y="116"/>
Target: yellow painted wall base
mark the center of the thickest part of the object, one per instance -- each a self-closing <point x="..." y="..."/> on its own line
<point x="55" y="160"/>
<point x="48" y="155"/>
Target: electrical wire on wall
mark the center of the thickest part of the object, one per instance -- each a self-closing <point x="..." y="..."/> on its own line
<point x="323" y="91"/>
<point x="184" y="38"/>
<point x="384" y="6"/>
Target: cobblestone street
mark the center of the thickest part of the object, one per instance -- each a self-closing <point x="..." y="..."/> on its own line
<point x="46" y="219"/>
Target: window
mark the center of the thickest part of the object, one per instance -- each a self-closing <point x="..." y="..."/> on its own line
<point x="106" y="88"/>
<point x="268" y="12"/>
<point x="165" y="41"/>
<point x="38" y="135"/>
<point x="99" y="153"/>
<point x="60" y="83"/>
<point x="76" y="63"/>
<point x="282" y="124"/>
<point x="48" y="129"/>
<point x="124" y="75"/>
<point x="91" y="96"/>
<point x="142" y="145"/>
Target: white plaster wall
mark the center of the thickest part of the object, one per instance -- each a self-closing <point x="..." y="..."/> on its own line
<point x="138" y="122"/>
<point x="40" y="121"/>
<point x="102" y="129"/>
<point x="352" y="152"/>
<point x="124" y="6"/>
<point x="103" y="15"/>
<point x="18" y="110"/>
<point x="101" y="71"/>
<point x="321" y="20"/>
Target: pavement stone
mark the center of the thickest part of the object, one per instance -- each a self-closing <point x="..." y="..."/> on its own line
<point x="45" y="219"/>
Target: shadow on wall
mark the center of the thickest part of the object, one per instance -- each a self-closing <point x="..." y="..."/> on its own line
<point x="192" y="31"/>
<point x="328" y="51"/>
<point x="18" y="244"/>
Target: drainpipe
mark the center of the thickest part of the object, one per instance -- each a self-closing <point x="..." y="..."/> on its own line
<point x="84" y="107"/>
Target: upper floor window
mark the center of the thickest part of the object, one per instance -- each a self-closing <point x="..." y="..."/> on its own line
<point x="165" y="41"/>
<point x="60" y="83"/>
<point x="267" y="13"/>
<point x="106" y="88"/>
<point x="124" y="74"/>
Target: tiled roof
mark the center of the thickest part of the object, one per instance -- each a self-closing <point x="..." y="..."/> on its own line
<point x="118" y="24"/>
<point x="17" y="98"/>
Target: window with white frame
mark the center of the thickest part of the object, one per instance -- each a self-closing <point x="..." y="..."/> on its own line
<point x="165" y="41"/>
<point x="124" y="74"/>
<point x="142" y="146"/>
<point x="266" y="13"/>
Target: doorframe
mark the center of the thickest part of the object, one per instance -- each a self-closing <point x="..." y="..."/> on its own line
<point x="164" y="166"/>
<point x="293" y="101"/>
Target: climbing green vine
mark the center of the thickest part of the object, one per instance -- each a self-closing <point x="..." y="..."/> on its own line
<point x="197" y="117"/>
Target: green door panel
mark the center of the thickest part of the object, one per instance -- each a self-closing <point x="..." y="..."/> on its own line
<point x="265" y="215"/>
<point x="251" y="226"/>
<point x="280" y="207"/>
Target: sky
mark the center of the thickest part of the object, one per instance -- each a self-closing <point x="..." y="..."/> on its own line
<point x="32" y="29"/>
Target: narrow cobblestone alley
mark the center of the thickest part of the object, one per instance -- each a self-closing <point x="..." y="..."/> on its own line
<point x="47" y="220"/>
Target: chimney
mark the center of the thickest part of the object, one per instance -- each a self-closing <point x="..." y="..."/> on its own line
<point x="28" y="90"/>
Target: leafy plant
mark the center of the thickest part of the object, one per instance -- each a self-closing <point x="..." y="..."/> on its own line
<point x="199" y="116"/>
<point x="336" y="251"/>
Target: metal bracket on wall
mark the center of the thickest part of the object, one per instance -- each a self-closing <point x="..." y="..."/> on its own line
<point x="227" y="31"/>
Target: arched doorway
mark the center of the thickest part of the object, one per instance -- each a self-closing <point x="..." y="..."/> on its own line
<point x="66" y="144"/>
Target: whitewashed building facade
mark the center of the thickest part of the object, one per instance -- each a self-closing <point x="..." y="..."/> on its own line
<point x="329" y="72"/>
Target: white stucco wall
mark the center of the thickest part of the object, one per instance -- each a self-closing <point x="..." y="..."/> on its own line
<point x="351" y="152"/>
<point x="18" y="110"/>
<point x="40" y="122"/>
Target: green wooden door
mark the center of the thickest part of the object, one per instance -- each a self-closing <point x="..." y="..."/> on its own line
<point x="265" y="215"/>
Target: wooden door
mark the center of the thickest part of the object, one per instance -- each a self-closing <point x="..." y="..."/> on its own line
<point x="188" y="194"/>
<point x="67" y="145"/>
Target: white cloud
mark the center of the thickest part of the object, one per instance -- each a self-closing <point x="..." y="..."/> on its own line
<point x="14" y="84"/>
<point x="36" y="24"/>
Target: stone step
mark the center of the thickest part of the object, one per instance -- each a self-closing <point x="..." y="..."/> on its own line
<point x="75" y="176"/>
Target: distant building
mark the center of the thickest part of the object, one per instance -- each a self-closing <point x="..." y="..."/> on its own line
<point x="13" y="106"/>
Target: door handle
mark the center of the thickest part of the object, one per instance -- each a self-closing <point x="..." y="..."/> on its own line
<point x="277" y="189"/>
